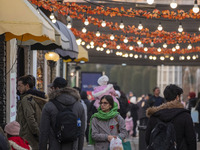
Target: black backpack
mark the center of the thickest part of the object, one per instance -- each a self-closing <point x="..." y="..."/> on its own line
<point x="163" y="137"/>
<point x="67" y="127"/>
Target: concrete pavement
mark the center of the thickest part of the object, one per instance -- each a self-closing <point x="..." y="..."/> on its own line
<point x="134" y="144"/>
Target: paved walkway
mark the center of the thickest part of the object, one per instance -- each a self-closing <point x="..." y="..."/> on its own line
<point x="134" y="144"/>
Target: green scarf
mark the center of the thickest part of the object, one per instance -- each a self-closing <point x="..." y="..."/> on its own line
<point x="102" y="116"/>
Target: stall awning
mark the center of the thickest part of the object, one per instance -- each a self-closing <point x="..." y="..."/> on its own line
<point x="82" y="55"/>
<point x="20" y="20"/>
<point x="72" y="51"/>
<point x="61" y="41"/>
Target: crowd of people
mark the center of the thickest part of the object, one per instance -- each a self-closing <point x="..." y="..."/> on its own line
<point x="111" y="114"/>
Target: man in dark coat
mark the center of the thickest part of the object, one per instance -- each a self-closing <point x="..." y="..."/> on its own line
<point x="156" y="99"/>
<point x="174" y="110"/>
<point x="29" y="110"/>
<point x="66" y="96"/>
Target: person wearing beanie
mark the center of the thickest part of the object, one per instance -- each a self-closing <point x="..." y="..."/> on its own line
<point x="104" y="89"/>
<point x="16" y="142"/>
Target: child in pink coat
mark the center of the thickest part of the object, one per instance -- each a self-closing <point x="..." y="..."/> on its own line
<point x="129" y="123"/>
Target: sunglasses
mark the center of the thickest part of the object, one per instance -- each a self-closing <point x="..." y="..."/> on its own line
<point x="103" y="103"/>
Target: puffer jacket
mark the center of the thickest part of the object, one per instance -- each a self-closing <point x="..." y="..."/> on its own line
<point x="29" y="110"/>
<point x="182" y="121"/>
<point x="101" y="129"/>
<point x="66" y="96"/>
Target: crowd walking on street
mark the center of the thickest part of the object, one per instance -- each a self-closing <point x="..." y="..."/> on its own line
<point x="66" y="120"/>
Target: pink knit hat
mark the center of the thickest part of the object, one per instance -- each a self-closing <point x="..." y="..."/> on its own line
<point x="12" y="128"/>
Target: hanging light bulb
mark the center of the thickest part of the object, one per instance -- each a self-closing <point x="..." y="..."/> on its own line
<point x="173" y="4"/>
<point x="118" y="47"/>
<point x="160" y="27"/>
<point x="108" y="51"/>
<point x="131" y="48"/>
<point x="195" y="8"/>
<point x="54" y="20"/>
<point x="159" y="49"/>
<point x="165" y="45"/>
<point x="104" y="45"/>
<point x="68" y="18"/>
<point x="69" y="25"/>
<point x="177" y="46"/>
<point x="88" y="46"/>
<point x="103" y="24"/>
<point x="98" y="33"/>
<point x="199" y="28"/>
<point x="52" y="16"/>
<point x="86" y="21"/>
<point x="139" y="41"/>
<point x="145" y="49"/>
<point x="140" y="26"/>
<point x="78" y="41"/>
<point x="180" y="28"/>
<point x="83" y="43"/>
<point x="92" y="46"/>
<point x="84" y="30"/>
<point x="121" y="26"/>
<point x="126" y="40"/>
<point x="171" y="58"/>
<point x="112" y="37"/>
<point x="150" y="2"/>
<point x="189" y="46"/>
<point x="173" y="49"/>
<point x="152" y="43"/>
<point x="91" y="43"/>
<point x="98" y="48"/>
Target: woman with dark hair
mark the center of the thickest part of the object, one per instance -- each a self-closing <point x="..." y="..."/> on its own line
<point x="106" y="124"/>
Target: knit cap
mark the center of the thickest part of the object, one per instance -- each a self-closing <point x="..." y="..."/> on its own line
<point x="12" y="128"/>
<point x="103" y="80"/>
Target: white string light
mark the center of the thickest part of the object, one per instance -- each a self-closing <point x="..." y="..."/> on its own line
<point x="54" y="20"/>
<point x="160" y="27"/>
<point x="121" y="26"/>
<point x="140" y="26"/>
<point x="195" y="8"/>
<point x="86" y="22"/>
<point x="112" y="37"/>
<point x="104" y="45"/>
<point x="52" y="16"/>
<point x="139" y="41"/>
<point x="84" y="30"/>
<point x="165" y="45"/>
<point x="69" y="25"/>
<point x="180" y="28"/>
<point x="177" y="46"/>
<point x="159" y="49"/>
<point x="145" y="49"/>
<point x="98" y="33"/>
<point x="118" y="47"/>
<point x="150" y="2"/>
<point x="189" y="46"/>
<point x="173" y="4"/>
<point x="126" y="40"/>
<point x="103" y="24"/>
<point x="131" y="48"/>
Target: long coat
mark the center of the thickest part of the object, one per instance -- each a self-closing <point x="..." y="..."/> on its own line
<point x="29" y="112"/>
<point x="66" y="96"/>
<point x="174" y="110"/>
<point x="101" y="129"/>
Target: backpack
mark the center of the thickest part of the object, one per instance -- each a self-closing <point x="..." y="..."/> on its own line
<point x="67" y="127"/>
<point x="163" y="137"/>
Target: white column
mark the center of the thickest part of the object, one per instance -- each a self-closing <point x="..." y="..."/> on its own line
<point x="33" y="63"/>
<point x="58" y="69"/>
<point x="45" y="76"/>
<point x="64" y="70"/>
<point x="11" y="71"/>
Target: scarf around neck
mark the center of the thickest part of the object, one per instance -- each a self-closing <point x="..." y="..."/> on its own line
<point x="102" y="116"/>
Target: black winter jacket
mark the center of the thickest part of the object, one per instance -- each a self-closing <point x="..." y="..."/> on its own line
<point x="174" y="110"/>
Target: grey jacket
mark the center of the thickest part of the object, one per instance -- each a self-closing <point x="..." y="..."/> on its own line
<point x="101" y="129"/>
<point x="66" y="96"/>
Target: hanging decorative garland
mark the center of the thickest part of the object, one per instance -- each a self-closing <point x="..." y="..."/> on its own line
<point x="112" y="44"/>
<point x="67" y="8"/>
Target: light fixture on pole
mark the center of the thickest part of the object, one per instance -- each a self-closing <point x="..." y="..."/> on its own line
<point x="150" y="2"/>
<point x="160" y="27"/>
<point x="51" y="58"/>
<point x="195" y="8"/>
<point x="180" y="28"/>
<point x="173" y="4"/>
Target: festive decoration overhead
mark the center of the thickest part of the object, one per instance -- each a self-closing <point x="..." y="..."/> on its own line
<point x="71" y="8"/>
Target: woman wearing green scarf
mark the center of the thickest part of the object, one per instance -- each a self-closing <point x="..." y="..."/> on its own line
<point x="106" y="124"/>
